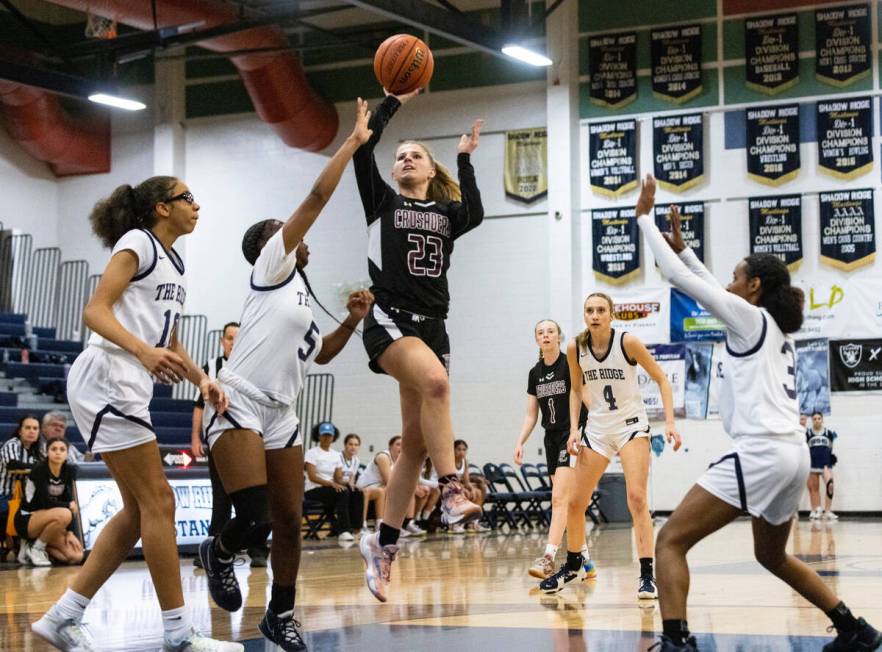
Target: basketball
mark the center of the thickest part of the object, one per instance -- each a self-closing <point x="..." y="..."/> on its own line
<point x="403" y="63"/>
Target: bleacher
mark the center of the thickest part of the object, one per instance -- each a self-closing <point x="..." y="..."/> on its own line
<point x="44" y="375"/>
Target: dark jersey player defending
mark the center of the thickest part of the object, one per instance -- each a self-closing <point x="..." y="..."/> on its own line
<point x="410" y="240"/>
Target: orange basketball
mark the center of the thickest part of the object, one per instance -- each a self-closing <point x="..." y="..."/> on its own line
<point x="403" y="63"/>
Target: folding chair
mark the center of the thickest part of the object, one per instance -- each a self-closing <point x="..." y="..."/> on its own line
<point x="529" y="501"/>
<point x="499" y="497"/>
<point x="315" y="518"/>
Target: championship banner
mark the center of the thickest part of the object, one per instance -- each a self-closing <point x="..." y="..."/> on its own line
<point x="813" y="376"/>
<point x="645" y="312"/>
<point x="672" y="359"/>
<point x="855" y="365"/>
<point x="100" y="500"/>
<point x="771" y="50"/>
<point x="840" y="308"/>
<point x="690" y="322"/>
<point x="773" y="144"/>
<point x="526" y="164"/>
<point x="676" y="63"/>
<point x="678" y="151"/>
<point x="848" y="228"/>
<point x="691" y="224"/>
<point x="612" y="157"/>
<point x="845" y="137"/>
<point x="842" y="44"/>
<point x="776" y="228"/>
<point x="612" y="64"/>
<point x="616" y="242"/>
<point x="698" y="372"/>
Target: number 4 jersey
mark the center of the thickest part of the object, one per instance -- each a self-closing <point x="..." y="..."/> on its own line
<point x="278" y="338"/>
<point x="616" y="404"/>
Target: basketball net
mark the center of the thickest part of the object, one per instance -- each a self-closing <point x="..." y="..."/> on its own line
<point x="100" y="27"/>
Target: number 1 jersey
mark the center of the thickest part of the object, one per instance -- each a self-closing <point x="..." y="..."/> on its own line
<point x="278" y="338"/>
<point x="410" y="241"/>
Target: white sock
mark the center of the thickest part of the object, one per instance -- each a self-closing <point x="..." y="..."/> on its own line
<point x="176" y="623"/>
<point x="550" y="550"/>
<point x="585" y="554"/>
<point x="71" y="606"/>
<point x="38" y="545"/>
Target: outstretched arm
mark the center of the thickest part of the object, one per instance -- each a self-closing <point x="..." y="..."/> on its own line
<point x="675" y="241"/>
<point x="470" y="212"/>
<point x="357" y="305"/>
<point x="308" y="211"/>
<point x="743" y="320"/>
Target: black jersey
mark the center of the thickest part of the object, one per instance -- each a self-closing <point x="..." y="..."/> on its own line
<point x="550" y="384"/>
<point x="43" y="490"/>
<point x="409" y="241"/>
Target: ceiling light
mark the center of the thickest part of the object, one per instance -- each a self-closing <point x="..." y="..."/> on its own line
<point x="117" y="102"/>
<point x="526" y="55"/>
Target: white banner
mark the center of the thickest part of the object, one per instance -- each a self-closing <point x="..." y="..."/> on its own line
<point x="841" y="309"/>
<point x="713" y="393"/>
<point x="672" y="359"/>
<point x="100" y="500"/>
<point x="645" y="312"/>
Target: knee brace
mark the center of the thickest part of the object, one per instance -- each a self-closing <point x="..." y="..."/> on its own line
<point x="253" y="521"/>
<point x="830" y="488"/>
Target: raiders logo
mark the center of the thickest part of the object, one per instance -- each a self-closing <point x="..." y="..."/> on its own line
<point x="563" y="457"/>
<point x="850" y="354"/>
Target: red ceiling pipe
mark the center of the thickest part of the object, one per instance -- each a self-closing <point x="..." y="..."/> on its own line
<point x="278" y="87"/>
<point x="71" y="144"/>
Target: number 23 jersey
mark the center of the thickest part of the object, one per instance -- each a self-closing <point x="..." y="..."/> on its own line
<point x="278" y="338"/>
<point x="616" y="404"/>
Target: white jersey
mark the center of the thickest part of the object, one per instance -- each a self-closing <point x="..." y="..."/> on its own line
<point x="616" y="402"/>
<point x="758" y="385"/>
<point x="350" y="468"/>
<point x="278" y="338"/>
<point x="371" y="476"/>
<point x="153" y="301"/>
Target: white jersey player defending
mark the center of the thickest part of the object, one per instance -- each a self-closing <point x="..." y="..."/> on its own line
<point x="133" y="315"/>
<point x="764" y="472"/>
<point x="257" y="444"/>
<point x="603" y="375"/>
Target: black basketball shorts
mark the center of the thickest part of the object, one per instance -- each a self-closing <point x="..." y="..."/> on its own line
<point x="382" y="326"/>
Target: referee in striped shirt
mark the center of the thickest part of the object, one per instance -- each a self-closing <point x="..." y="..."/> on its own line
<point x="220" y="503"/>
<point x="21" y="452"/>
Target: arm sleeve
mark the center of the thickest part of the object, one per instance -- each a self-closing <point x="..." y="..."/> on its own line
<point x="697" y="267"/>
<point x="743" y="320"/>
<point x="141" y="245"/>
<point x="469" y="213"/>
<point x="371" y="185"/>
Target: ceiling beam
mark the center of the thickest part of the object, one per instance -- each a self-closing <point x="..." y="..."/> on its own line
<point x="49" y="80"/>
<point x="438" y="21"/>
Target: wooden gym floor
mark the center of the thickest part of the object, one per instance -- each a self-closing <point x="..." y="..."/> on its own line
<point x="473" y="593"/>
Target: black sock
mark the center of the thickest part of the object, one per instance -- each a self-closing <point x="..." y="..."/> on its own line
<point x="574" y="560"/>
<point x="388" y="535"/>
<point x="843" y="619"/>
<point x="282" y="599"/>
<point x="645" y="566"/>
<point x="405" y="522"/>
<point x="220" y="551"/>
<point x="447" y="479"/>
<point x="676" y="630"/>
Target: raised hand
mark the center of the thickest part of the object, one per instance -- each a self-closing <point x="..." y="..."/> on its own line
<point x="406" y="97"/>
<point x="646" y="200"/>
<point x="359" y="303"/>
<point x="675" y="237"/>
<point x="468" y="143"/>
<point x="360" y="132"/>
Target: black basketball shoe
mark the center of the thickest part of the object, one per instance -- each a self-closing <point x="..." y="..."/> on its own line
<point x="222" y="583"/>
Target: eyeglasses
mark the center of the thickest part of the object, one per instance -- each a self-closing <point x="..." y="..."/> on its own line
<point x="187" y="196"/>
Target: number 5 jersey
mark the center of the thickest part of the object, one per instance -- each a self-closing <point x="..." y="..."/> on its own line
<point x="410" y="241"/>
